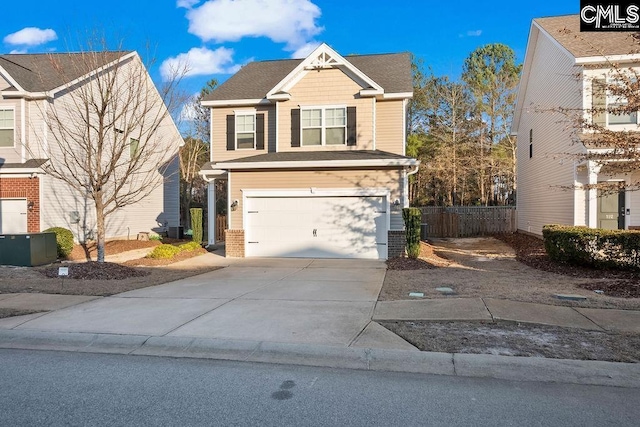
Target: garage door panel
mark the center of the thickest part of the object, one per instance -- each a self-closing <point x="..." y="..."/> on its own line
<point x="328" y="227"/>
<point x="13" y="216"/>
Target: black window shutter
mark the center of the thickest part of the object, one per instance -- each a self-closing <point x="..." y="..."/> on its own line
<point x="351" y="126"/>
<point x="295" y="127"/>
<point x="259" y="131"/>
<point x="231" y="132"/>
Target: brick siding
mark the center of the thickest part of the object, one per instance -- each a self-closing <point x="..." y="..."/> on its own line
<point x="24" y="188"/>
<point x="234" y="243"/>
<point x="397" y="243"/>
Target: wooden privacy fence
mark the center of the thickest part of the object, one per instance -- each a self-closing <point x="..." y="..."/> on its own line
<point x="221" y="225"/>
<point x="467" y="221"/>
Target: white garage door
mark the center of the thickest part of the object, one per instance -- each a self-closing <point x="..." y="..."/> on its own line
<point x="316" y="227"/>
<point x="13" y="216"/>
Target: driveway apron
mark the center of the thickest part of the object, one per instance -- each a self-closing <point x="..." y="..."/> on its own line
<point x="325" y="302"/>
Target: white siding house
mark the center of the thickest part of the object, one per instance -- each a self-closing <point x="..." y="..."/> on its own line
<point x="559" y="70"/>
<point x="32" y="86"/>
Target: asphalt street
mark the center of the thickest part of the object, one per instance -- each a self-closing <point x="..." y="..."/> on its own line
<point x="60" y="388"/>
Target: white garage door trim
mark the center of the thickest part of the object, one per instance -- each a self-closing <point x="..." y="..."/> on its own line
<point x="317" y="192"/>
<point x="17" y="223"/>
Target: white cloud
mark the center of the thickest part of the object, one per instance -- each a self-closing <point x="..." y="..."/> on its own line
<point x="187" y="4"/>
<point x="200" y="61"/>
<point x="31" y="36"/>
<point x="474" y="33"/>
<point x="283" y="21"/>
<point x="304" y="50"/>
<point x="18" y="51"/>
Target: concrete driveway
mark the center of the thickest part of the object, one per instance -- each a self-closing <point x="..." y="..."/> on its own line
<point x="326" y="302"/>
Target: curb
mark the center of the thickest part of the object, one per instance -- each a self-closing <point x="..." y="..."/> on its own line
<point x="372" y="359"/>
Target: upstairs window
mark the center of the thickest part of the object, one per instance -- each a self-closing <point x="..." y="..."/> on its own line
<point x="7" y="127"/>
<point x="245" y="131"/>
<point x="323" y="126"/>
<point x="605" y="102"/>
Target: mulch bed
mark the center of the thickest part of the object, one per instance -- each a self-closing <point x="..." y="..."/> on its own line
<point x="150" y="262"/>
<point x="89" y="250"/>
<point x="426" y="260"/>
<point x="530" y="251"/>
<point x="92" y="270"/>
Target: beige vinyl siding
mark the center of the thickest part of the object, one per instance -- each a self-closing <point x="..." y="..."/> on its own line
<point x="287" y="180"/>
<point x="389" y="130"/>
<point x="219" y="152"/>
<point x="4" y="84"/>
<point x="37" y="131"/>
<point x="552" y="84"/>
<point x="327" y="87"/>
<point x="13" y="154"/>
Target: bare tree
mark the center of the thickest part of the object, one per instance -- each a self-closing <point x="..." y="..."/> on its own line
<point x="113" y="136"/>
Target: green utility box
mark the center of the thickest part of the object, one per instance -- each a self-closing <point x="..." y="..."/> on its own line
<point x="28" y="249"/>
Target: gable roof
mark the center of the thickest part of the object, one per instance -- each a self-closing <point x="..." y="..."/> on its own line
<point x="256" y="79"/>
<point x="40" y="72"/>
<point x="566" y="31"/>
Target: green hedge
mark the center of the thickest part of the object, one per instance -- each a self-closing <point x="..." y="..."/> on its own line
<point x="412" y="218"/>
<point x="593" y="247"/>
<point x="64" y="240"/>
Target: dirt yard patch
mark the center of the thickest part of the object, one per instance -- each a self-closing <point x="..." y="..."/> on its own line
<point x="89" y="251"/>
<point x="488" y="267"/>
<point x="510" y="339"/>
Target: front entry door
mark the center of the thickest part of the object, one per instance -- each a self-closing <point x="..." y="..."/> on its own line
<point x="611" y="211"/>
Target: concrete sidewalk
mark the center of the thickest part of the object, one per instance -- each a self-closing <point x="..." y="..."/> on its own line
<point x="490" y="309"/>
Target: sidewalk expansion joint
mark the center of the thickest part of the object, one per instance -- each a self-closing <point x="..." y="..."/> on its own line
<point x="590" y="319"/>
<point x="488" y="311"/>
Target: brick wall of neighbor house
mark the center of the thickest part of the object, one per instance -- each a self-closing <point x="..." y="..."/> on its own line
<point x="396" y="243"/>
<point x="234" y="243"/>
<point x="24" y="188"/>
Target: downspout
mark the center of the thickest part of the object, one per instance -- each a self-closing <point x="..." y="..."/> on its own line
<point x="406" y="182"/>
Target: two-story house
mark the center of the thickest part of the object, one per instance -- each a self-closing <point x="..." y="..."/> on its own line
<point x="568" y="69"/>
<point x="313" y="153"/>
<point x="41" y="111"/>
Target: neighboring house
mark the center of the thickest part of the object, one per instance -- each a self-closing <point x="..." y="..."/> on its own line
<point x="313" y="152"/>
<point x="565" y="68"/>
<point x="31" y="86"/>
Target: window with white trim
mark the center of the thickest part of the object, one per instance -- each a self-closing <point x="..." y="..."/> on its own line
<point x="245" y="131"/>
<point x="7" y="127"/>
<point x="605" y="104"/>
<point x="323" y="125"/>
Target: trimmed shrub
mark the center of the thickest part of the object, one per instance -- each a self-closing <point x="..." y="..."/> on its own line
<point x="155" y="237"/>
<point x="412" y="218"/>
<point x="190" y="246"/>
<point x="593" y="247"/>
<point x="164" y="251"/>
<point x="196" y="224"/>
<point x="64" y="240"/>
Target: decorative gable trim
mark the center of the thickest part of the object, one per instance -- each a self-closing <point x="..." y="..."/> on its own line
<point x="323" y="57"/>
<point x="11" y="80"/>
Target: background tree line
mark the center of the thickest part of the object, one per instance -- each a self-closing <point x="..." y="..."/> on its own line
<point x="460" y="130"/>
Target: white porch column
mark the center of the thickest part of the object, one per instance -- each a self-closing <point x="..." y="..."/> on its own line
<point x="593" y="170"/>
<point x="211" y="205"/>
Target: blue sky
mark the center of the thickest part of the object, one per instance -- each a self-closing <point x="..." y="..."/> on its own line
<point x="217" y="36"/>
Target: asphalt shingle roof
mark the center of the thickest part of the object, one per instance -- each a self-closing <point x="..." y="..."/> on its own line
<point x="38" y="72"/>
<point x="566" y="30"/>
<point x="254" y="80"/>
<point x="29" y="164"/>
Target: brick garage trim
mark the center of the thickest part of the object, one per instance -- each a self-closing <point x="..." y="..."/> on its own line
<point x="24" y="188"/>
<point x="234" y="243"/>
<point x="397" y="242"/>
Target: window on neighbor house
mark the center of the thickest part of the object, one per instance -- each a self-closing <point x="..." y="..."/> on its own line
<point x="323" y="126"/>
<point x="245" y="131"/>
<point x="134" y="146"/>
<point x="7" y="127"/>
<point x="604" y="103"/>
